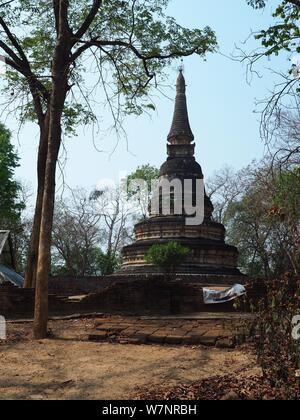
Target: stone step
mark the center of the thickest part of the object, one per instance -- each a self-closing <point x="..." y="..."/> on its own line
<point x="206" y="340"/>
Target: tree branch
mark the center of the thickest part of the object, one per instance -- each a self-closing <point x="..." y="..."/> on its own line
<point x="119" y="43"/>
<point x="6" y="3"/>
<point x="64" y="29"/>
<point x="18" y="62"/>
<point x="14" y="42"/>
<point x="22" y="66"/>
<point x="36" y="88"/>
<point x="56" y="14"/>
<point x="89" y="19"/>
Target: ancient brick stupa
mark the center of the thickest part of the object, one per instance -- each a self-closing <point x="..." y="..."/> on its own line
<point x="211" y="260"/>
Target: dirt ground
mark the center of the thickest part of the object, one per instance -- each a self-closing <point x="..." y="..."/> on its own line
<point x="68" y="366"/>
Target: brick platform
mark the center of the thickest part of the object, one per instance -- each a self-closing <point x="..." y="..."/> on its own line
<point x="221" y="332"/>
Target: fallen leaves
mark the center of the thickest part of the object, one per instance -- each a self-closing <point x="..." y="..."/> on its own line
<point x="222" y="388"/>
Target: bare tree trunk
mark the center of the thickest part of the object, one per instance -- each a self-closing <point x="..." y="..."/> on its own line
<point x="44" y="251"/>
<point x="31" y="268"/>
<point x="292" y="261"/>
<point x="60" y="70"/>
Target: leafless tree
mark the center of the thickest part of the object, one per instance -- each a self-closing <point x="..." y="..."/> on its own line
<point x="76" y="233"/>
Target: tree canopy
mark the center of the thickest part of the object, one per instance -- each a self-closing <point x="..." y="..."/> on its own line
<point x="122" y="45"/>
<point x="142" y="193"/>
<point x="285" y="33"/>
<point x="10" y="204"/>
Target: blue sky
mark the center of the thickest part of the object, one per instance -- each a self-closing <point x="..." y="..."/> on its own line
<point x="220" y="101"/>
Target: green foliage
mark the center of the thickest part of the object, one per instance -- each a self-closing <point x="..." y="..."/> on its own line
<point x="142" y="193"/>
<point x="121" y="74"/>
<point x="285" y="34"/>
<point x="99" y="263"/>
<point x="287" y="196"/>
<point x="146" y="173"/>
<point x="257" y="4"/>
<point x="10" y="204"/>
<point x="109" y="263"/>
<point x="168" y="256"/>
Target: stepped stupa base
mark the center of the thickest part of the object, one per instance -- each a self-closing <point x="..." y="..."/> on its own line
<point x="210" y="261"/>
<point x="210" y="257"/>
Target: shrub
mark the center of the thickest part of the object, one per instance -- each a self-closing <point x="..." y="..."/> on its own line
<point x="277" y="351"/>
<point x="167" y="257"/>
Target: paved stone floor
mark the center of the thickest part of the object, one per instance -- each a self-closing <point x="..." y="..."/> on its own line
<point x="220" y="330"/>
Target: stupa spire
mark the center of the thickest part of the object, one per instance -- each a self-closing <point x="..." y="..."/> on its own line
<point x="181" y="131"/>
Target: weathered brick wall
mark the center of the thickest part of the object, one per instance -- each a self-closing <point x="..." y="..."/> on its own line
<point x="71" y="286"/>
<point x="16" y="301"/>
<point x="154" y="295"/>
<point x="133" y="294"/>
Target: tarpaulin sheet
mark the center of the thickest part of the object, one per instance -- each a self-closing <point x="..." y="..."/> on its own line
<point x="9" y="275"/>
<point x="221" y="296"/>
